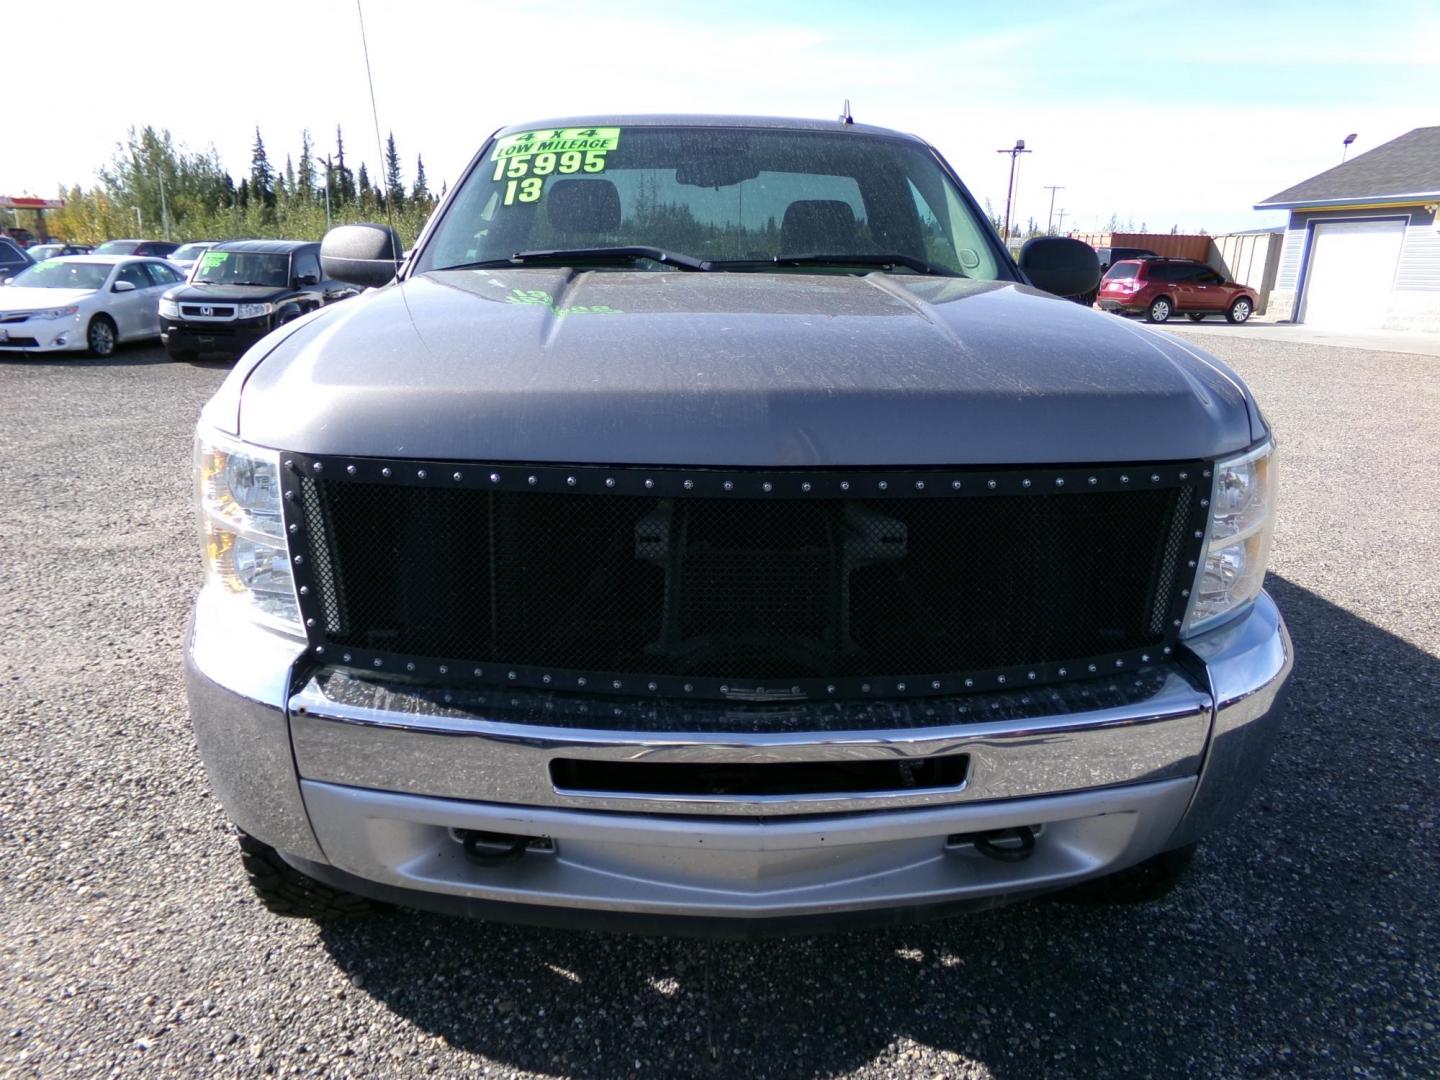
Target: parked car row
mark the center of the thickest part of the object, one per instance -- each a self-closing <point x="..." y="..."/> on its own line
<point x="236" y="292"/>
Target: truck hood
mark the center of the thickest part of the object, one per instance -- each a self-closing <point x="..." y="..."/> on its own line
<point x="228" y="294"/>
<point x="765" y="369"/>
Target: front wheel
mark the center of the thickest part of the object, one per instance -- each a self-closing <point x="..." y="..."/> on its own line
<point x="286" y="891"/>
<point x="101" y="336"/>
<point x="1240" y="310"/>
<point x="1159" y="310"/>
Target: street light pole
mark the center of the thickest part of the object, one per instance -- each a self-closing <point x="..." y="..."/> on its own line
<point x="1014" y="152"/>
<point x="1062" y="220"/>
<point x="1345" y="150"/>
<point x="1052" y="188"/>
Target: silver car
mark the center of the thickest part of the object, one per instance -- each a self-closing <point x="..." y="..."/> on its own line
<point x="84" y="302"/>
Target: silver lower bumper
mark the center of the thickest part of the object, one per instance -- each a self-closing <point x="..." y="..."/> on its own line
<point x="371" y="780"/>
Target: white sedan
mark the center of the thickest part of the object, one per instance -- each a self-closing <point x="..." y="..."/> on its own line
<point x="83" y="302"/>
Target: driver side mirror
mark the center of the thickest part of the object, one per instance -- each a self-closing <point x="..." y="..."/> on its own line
<point x="366" y="255"/>
<point x="123" y="286"/>
<point x="1060" y="265"/>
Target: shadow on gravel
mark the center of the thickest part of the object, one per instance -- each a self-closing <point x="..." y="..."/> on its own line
<point x="135" y="354"/>
<point x="1304" y="940"/>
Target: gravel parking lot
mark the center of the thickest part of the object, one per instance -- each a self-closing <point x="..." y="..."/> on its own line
<point x="1305" y="942"/>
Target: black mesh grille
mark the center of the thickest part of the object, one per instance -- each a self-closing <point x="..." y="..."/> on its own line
<point x="538" y="583"/>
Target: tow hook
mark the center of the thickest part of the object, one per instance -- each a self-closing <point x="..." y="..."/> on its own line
<point x="496" y="849"/>
<point x="1003" y="845"/>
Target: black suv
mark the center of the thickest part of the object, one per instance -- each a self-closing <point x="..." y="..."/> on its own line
<point x="241" y="290"/>
<point x="13" y="259"/>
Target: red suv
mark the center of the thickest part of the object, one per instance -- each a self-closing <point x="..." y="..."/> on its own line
<point x="1162" y="287"/>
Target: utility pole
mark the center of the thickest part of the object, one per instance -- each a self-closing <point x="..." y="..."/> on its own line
<point x="139" y="226"/>
<point x="1052" y="188"/>
<point x="1014" y="152"/>
<point x="1061" y="226"/>
<point x="164" y="213"/>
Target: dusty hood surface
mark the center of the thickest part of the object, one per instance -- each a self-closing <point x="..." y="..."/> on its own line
<point x="735" y="369"/>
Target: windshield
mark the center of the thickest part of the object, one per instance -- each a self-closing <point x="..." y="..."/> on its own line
<point x="62" y="274"/>
<point x="45" y="251"/>
<point x="190" y="251"/>
<point x="723" y="195"/>
<point x="118" y="247"/>
<point x="241" y="268"/>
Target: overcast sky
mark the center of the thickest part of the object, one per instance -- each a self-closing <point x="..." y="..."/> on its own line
<point x="1165" y="113"/>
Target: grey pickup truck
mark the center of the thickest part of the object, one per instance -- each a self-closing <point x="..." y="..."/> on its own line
<point x="707" y="527"/>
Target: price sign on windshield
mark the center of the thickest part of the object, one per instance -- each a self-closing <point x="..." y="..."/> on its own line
<point x="525" y="160"/>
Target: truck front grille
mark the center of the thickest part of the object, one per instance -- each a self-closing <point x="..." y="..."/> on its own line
<point x="742" y="585"/>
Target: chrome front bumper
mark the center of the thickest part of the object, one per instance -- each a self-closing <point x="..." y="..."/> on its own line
<point x="371" y="780"/>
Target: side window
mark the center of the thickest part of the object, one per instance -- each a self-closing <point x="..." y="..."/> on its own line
<point x="938" y="247"/>
<point x="9" y="253"/>
<point x="135" y="274"/>
<point x="161" y="274"/>
<point x="1210" y="277"/>
<point x="306" y="262"/>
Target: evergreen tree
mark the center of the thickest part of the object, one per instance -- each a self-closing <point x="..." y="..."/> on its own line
<point x="289" y="182"/>
<point x="262" y="174"/>
<point x="421" y="193"/>
<point x="305" y="176"/>
<point x="362" y="182"/>
<point x="242" y="196"/>
<point x="394" y="183"/>
<point x="227" y="200"/>
<point x="344" y="178"/>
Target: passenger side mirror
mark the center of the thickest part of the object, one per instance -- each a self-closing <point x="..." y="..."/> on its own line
<point x="360" y="254"/>
<point x="1060" y="265"/>
<point x="123" y="286"/>
<point x="305" y="280"/>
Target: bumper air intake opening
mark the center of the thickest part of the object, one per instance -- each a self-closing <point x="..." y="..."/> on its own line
<point x="1002" y="845"/>
<point x="494" y="849"/>
<point x="838" y="778"/>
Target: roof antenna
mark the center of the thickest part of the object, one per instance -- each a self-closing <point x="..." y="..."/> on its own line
<point x="845" y="117"/>
<point x="375" y="116"/>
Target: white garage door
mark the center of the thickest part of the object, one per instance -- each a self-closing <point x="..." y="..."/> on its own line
<point x="1351" y="273"/>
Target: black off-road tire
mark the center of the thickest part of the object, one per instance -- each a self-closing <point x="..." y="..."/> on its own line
<point x="1154" y="879"/>
<point x="286" y="891"/>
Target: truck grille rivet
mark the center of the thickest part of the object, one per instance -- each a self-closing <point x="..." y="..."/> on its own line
<point x="990" y="484"/>
<point x="651" y="686"/>
<point x="304" y="590"/>
<point x="689" y="485"/>
<point x="1059" y="481"/>
<point x="1119" y="663"/>
<point x="310" y="622"/>
<point x="1124" y="479"/>
<point x="954" y="485"/>
<point x="347" y="658"/>
<point x="581" y="681"/>
<point x="1206" y="474"/>
<point x="1192" y="564"/>
<point x="479" y="671"/>
<point x="1000" y="679"/>
<point x="289" y="463"/>
<point x="689" y="687"/>
<point x="969" y="682"/>
<point x="935" y="685"/>
<point x="844" y="485"/>
<point x="444" y="670"/>
<point x="385" y="472"/>
<point x="609" y="481"/>
<point x="1025" y="483"/>
<point x="510" y="674"/>
<point x="919" y="485"/>
<point x="1184" y="592"/>
<point x="318" y="467"/>
<point x="1063" y="672"/>
<point x="494" y="477"/>
<point x="649" y="483"/>
<point x="882" y="485"/>
<point x="570" y="480"/>
<point x="319" y="650"/>
<point x="1184" y="476"/>
<point x="377" y="662"/>
<point x="457" y="477"/>
<point x="1175" y="622"/>
<point x="294" y="528"/>
<point x="729" y="485"/>
<point x="1167" y="650"/>
<point x="900" y="687"/>
<point x="289" y="496"/>
<point x="1155" y="478"/>
<point x="1031" y="676"/>
<point x="532" y="480"/>
<point x="545" y="679"/>
<point x="299" y="559"/>
<point x="615" y="685"/>
<point x="1092" y="667"/>
<point x="1092" y="480"/>
<point x="1145" y="658"/>
<point x="420" y="474"/>
<point x="350" y="469"/>
<point x="865" y="688"/>
<point x="1204" y="502"/>
<point x="1199" y="534"/>
<point x="410" y="666"/>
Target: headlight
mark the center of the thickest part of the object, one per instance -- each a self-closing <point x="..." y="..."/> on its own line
<point x="253" y="311"/>
<point x="56" y="313"/>
<point x="169" y="309"/>
<point x="1242" y="519"/>
<point x="238" y="491"/>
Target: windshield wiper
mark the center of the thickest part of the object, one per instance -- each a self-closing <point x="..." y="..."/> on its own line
<point x="562" y="256"/>
<point x="920" y="266"/>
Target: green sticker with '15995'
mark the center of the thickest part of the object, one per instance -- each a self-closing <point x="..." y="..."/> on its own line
<point x="525" y="160"/>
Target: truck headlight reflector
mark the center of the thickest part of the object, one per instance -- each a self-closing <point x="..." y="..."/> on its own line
<point x="1242" y="521"/>
<point x="237" y="488"/>
<point x="253" y="311"/>
<point x="169" y="309"/>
